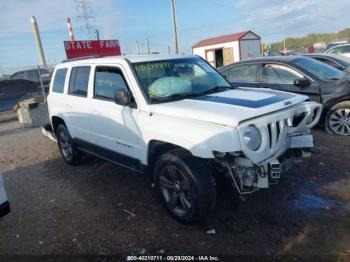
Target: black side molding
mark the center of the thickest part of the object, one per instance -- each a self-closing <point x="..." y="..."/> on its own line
<point x="109" y="155"/>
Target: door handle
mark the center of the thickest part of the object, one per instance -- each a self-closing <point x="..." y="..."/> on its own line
<point x="69" y="106"/>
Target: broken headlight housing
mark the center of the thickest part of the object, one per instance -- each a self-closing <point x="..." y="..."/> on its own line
<point x="252" y="137"/>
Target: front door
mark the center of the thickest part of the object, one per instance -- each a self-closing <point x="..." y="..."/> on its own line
<point x="115" y="131"/>
<point x="281" y="77"/>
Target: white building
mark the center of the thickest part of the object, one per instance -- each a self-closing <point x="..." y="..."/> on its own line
<point x="226" y="49"/>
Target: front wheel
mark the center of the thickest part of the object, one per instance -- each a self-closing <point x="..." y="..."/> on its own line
<point x="185" y="186"/>
<point x="338" y="119"/>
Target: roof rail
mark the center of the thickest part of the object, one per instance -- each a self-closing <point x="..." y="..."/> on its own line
<point x="81" y="58"/>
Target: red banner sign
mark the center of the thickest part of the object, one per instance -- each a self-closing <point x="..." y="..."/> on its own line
<point x="76" y="49"/>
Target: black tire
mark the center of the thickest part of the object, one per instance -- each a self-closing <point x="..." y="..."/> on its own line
<point x="68" y="149"/>
<point x="185" y="186"/>
<point x="338" y="119"/>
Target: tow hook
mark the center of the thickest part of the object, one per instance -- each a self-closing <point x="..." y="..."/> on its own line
<point x="275" y="169"/>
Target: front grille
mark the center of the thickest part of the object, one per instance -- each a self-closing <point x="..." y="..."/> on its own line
<point x="276" y="127"/>
<point x="277" y="131"/>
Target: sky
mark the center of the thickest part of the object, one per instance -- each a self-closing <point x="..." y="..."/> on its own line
<point x="137" y="20"/>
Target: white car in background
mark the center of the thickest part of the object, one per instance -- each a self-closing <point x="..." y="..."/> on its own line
<point x="343" y="49"/>
<point x="178" y="120"/>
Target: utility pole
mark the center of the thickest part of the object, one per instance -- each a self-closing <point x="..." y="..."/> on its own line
<point x="97" y="34"/>
<point x="37" y="39"/>
<point x="173" y="12"/>
<point x="137" y="47"/>
<point x="148" y="47"/>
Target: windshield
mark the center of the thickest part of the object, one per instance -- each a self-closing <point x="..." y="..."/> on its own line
<point x="319" y="69"/>
<point x="178" y="78"/>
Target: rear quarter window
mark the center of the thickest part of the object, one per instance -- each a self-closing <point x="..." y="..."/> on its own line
<point x="58" y="82"/>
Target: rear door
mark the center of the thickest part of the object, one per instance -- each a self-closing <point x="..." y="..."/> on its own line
<point x="281" y="77"/>
<point x="242" y="75"/>
<point x="77" y="105"/>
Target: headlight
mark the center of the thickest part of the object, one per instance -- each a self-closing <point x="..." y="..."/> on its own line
<point x="252" y="137"/>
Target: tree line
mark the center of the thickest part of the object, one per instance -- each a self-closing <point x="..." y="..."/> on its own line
<point x="298" y="43"/>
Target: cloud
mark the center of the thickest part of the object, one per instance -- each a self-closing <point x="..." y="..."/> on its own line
<point x="275" y="19"/>
<point x="51" y="15"/>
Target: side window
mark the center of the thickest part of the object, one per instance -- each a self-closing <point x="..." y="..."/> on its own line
<point x="58" y="82"/>
<point x="327" y="61"/>
<point x="346" y="49"/>
<point x="336" y="50"/>
<point x="79" y="81"/>
<point x="107" y="81"/>
<point x="243" y="73"/>
<point x="278" y="74"/>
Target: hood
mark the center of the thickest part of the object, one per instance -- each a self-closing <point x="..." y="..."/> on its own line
<point x="230" y="107"/>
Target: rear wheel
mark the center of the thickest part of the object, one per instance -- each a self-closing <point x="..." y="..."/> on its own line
<point x="185" y="186"/>
<point x="66" y="145"/>
<point x="338" y="119"/>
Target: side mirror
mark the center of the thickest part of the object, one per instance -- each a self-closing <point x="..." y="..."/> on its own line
<point x="302" y="82"/>
<point x="122" y="97"/>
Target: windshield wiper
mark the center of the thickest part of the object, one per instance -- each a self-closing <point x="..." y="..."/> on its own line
<point x="332" y="78"/>
<point x="190" y="94"/>
<point x="215" y="90"/>
<point x="175" y="96"/>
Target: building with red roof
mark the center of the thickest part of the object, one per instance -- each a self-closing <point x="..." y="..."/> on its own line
<point x="226" y="49"/>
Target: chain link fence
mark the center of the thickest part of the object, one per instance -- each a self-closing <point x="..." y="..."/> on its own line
<point x="23" y="84"/>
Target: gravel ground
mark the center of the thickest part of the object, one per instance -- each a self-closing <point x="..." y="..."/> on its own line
<point x="99" y="208"/>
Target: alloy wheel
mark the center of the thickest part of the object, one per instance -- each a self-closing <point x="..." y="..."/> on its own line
<point x="176" y="190"/>
<point x="339" y="121"/>
<point x="65" y="146"/>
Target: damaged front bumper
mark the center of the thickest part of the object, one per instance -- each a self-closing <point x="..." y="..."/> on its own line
<point x="248" y="177"/>
<point x="286" y="139"/>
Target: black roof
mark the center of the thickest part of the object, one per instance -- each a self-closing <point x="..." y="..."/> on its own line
<point x="283" y="59"/>
<point x="321" y="55"/>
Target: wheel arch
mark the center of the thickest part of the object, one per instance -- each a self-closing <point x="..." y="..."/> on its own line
<point x="155" y="149"/>
<point x="331" y="103"/>
<point x="56" y="121"/>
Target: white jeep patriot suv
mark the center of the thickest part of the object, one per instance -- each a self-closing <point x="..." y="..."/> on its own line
<point x="178" y="119"/>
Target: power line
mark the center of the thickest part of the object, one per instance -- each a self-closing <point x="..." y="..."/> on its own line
<point x="85" y="13"/>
